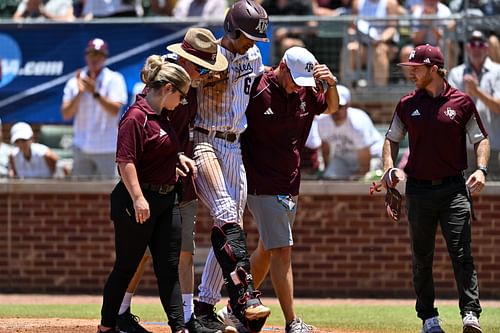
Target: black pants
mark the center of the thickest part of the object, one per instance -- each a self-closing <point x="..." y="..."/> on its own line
<point x="449" y="205"/>
<point x="162" y="233"/>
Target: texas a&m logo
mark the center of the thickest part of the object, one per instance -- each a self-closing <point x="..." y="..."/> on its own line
<point x="450" y="112"/>
<point x="412" y="55"/>
<point x="309" y="67"/>
<point x="262" y="26"/>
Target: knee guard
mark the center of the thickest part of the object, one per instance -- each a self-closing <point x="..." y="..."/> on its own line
<point x="230" y="249"/>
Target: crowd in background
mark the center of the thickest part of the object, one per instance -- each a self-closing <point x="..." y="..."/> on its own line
<point x="333" y="141"/>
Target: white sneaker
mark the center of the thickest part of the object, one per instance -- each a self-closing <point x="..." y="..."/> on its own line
<point x="431" y="325"/>
<point x="298" y="326"/>
<point x="471" y="323"/>
<point x="230" y="320"/>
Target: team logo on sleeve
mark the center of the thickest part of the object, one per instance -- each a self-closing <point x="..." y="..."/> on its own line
<point x="450" y="112"/>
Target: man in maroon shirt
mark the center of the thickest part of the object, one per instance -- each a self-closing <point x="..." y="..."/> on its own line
<point x="282" y="106"/>
<point x="437" y="119"/>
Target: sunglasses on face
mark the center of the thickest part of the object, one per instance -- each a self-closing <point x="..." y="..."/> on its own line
<point x="184" y="100"/>
<point x="477" y="44"/>
<point x="201" y="70"/>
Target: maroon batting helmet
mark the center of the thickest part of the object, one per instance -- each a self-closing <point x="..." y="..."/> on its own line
<point x="249" y="18"/>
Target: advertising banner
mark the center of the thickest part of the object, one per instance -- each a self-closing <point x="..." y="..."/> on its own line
<point x="37" y="59"/>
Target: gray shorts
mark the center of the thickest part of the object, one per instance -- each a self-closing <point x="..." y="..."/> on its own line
<point x="188" y="219"/>
<point x="274" y="220"/>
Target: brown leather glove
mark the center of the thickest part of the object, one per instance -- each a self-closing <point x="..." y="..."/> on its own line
<point x="393" y="203"/>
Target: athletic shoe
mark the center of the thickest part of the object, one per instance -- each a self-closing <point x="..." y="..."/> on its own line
<point x="129" y="323"/>
<point x="194" y="326"/>
<point x="431" y="325"/>
<point x="205" y="313"/>
<point x="298" y="326"/>
<point x="256" y="312"/>
<point x="231" y="320"/>
<point x="471" y="323"/>
<point x="112" y="330"/>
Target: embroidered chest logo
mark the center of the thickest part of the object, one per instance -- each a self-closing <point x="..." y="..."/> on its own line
<point x="269" y="111"/>
<point x="415" y="113"/>
<point x="262" y="26"/>
<point x="302" y="108"/>
<point x="450" y="113"/>
<point x="309" y="67"/>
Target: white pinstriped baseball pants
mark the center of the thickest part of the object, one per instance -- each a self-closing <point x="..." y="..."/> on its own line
<point x="222" y="185"/>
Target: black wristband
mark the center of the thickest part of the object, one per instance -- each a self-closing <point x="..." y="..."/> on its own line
<point x="483" y="169"/>
<point x="96" y="95"/>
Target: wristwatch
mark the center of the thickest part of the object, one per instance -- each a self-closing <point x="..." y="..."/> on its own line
<point x="484" y="169"/>
<point x="96" y="95"/>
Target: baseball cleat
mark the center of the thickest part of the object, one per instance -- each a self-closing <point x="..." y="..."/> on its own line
<point x="205" y="313"/>
<point x="256" y="312"/>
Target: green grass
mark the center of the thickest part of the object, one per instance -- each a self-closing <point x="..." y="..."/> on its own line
<point x="369" y="318"/>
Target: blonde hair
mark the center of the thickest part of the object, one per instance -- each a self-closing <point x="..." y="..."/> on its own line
<point x="156" y="73"/>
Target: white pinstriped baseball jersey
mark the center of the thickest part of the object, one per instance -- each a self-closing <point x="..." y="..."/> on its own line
<point x="222" y="103"/>
<point x="221" y="181"/>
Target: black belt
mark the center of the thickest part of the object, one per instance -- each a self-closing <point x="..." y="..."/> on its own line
<point x="160" y="188"/>
<point x="440" y="181"/>
<point x="228" y="136"/>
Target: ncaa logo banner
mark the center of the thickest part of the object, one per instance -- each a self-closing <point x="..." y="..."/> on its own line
<point x="36" y="60"/>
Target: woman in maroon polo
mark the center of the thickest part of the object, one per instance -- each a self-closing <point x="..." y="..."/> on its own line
<point x="142" y="202"/>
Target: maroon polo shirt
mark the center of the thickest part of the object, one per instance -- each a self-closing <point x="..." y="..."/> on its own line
<point x="182" y="119"/>
<point x="278" y="126"/>
<point x="149" y="141"/>
<point x="437" y="132"/>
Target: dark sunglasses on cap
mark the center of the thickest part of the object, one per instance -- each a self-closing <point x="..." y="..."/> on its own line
<point x="477" y="44"/>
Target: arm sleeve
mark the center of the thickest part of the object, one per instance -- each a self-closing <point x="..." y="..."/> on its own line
<point x="397" y="130"/>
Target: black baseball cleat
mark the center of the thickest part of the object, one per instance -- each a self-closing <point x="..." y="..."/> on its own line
<point x="205" y="313"/>
<point x="195" y="326"/>
<point x="111" y="330"/>
<point x="129" y="323"/>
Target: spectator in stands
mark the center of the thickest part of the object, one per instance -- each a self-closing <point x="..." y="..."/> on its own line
<point x="4" y="156"/>
<point x="94" y="99"/>
<point x="112" y="8"/>
<point x="352" y="146"/>
<point x="203" y="8"/>
<point x="60" y="10"/>
<point x="427" y="31"/>
<point x="479" y="77"/>
<point x="331" y="7"/>
<point x="310" y="161"/>
<point x="481" y="8"/>
<point x="382" y="37"/>
<point x="161" y="7"/>
<point x="29" y="159"/>
<point x="291" y="34"/>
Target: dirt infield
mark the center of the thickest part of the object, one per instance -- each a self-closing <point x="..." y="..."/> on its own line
<point x="60" y="325"/>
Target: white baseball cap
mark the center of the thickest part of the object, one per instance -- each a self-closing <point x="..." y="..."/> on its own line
<point x="300" y="62"/>
<point x="344" y="95"/>
<point x="20" y="130"/>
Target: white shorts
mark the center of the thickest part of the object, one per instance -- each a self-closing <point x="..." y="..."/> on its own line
<point x="274" y="220"/>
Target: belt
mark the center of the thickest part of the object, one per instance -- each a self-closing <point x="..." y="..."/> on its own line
<point x="160" y="188"/>
<point x="440" y="181"/>
<point x="228" y="136"/>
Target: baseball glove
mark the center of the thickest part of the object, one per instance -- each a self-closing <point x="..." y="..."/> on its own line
<point x="393" y="203"/>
